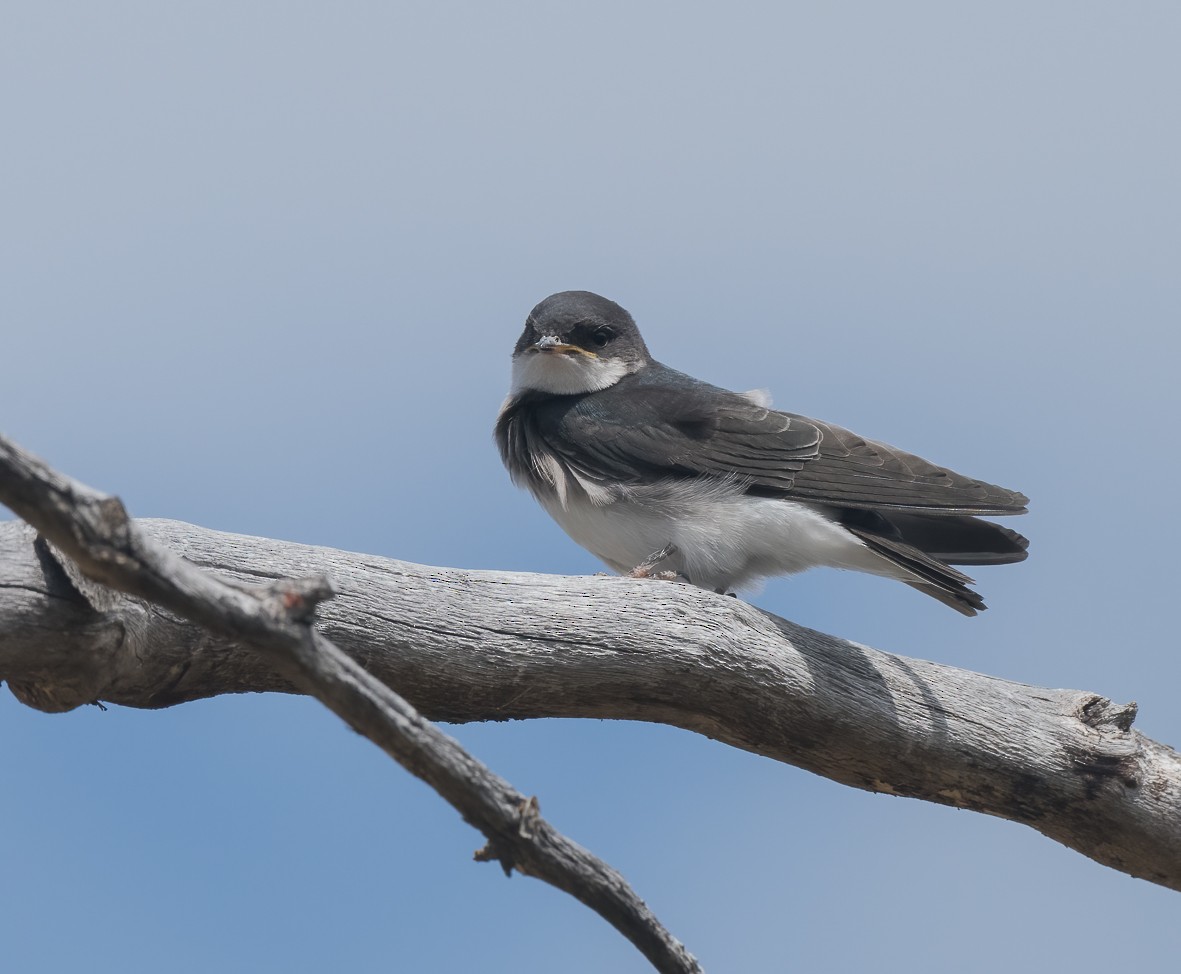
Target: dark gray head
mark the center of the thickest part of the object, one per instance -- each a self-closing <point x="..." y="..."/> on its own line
<point x="576" y="342"/>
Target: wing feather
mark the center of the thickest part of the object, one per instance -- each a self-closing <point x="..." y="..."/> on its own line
<point x="661" y="423"/>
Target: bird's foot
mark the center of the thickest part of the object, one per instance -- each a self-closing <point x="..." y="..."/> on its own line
<point x="660" y="576"/>
<point x="647" y="568"/>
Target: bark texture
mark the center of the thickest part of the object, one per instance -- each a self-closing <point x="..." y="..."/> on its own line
<point x="465" y="645"/>
<point x="94" y="549"/>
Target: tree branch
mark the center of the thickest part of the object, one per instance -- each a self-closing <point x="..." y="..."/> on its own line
<point x="98" y="542"/>
<point x="467" y="646"/>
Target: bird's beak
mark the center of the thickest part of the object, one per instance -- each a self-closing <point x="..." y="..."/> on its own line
<point x="548" y="343"/>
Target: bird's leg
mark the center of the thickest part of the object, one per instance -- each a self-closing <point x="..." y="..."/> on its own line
<point x="647" y="568"/>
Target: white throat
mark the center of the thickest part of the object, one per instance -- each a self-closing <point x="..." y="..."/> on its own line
<point x="564" y="375"/>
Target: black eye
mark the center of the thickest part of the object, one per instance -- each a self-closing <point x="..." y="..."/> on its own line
<point x="601" y="336"/>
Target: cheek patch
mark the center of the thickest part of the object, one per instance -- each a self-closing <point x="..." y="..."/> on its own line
<point x="564" y="375"/>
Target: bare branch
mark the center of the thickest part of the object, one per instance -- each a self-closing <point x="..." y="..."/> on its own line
<point x="94" y="533"/>
<point x="466" y="646"/>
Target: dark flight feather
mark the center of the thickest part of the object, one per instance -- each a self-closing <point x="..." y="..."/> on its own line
<point x="934" y="578"/>
<point x="669" y="434"/>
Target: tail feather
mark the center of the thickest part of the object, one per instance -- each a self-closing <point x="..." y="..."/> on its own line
<point x="930" y="575"/>
<point x="960" y="540"/>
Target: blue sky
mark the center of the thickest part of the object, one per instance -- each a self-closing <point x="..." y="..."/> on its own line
<point x="262" y="268"/>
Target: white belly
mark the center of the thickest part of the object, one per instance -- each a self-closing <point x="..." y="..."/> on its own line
<point x="725" y="539"/>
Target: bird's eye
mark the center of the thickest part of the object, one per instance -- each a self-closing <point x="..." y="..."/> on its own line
<point x="601" y="336"/>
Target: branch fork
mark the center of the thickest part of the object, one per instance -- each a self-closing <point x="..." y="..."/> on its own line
<point x="95" y="541"/>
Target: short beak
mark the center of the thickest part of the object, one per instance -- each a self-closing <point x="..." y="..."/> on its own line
<point x="548" y="343"/>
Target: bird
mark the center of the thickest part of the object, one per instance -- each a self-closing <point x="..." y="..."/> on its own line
<point x="662" y="475"/>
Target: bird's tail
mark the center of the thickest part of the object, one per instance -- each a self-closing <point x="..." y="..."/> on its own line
<point x="925" y="546"/>
<point x="959" y="539"/>
<point x="922" y="571"/>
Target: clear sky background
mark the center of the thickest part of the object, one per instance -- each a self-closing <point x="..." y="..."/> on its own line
<point x="262" y="268"/>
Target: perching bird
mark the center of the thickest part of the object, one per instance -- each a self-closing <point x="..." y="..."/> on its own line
<point x="658" y="473"/>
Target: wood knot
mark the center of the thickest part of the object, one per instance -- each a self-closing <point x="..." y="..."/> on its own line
<point x="1112" y="754"/>
<point x="1099" y="712"/>
<point x="500" y="849"/>
<point x="296" y="599"/>
<point x="530" y="812"/>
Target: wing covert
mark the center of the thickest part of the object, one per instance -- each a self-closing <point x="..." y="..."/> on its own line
<point x="660" y="423"/>
<point x="674" y="431"/>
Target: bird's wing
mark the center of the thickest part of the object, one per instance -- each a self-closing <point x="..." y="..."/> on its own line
<point x="664" y="432"/>
<point x="688" y="428"/>
<point x="850" y="471"/>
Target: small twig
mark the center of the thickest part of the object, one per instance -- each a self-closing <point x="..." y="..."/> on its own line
<point x="95" y="531"/>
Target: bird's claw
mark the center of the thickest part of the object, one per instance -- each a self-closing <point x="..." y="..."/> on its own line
<point x="659" y="576"/>
<point x="647" y="568"/>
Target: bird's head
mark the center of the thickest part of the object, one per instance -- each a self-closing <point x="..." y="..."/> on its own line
<point x="576" y="342"/>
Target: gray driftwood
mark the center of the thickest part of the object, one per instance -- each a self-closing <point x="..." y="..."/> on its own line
<point x="90" y="557"/>
<point x="467" y="645"/>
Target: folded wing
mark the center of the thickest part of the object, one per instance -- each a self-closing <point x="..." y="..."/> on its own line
<point x="676" y="426"/>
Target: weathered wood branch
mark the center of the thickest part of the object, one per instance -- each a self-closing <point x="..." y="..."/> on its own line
<point x="100" y="544"/>
<point x="465" y="646"/>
